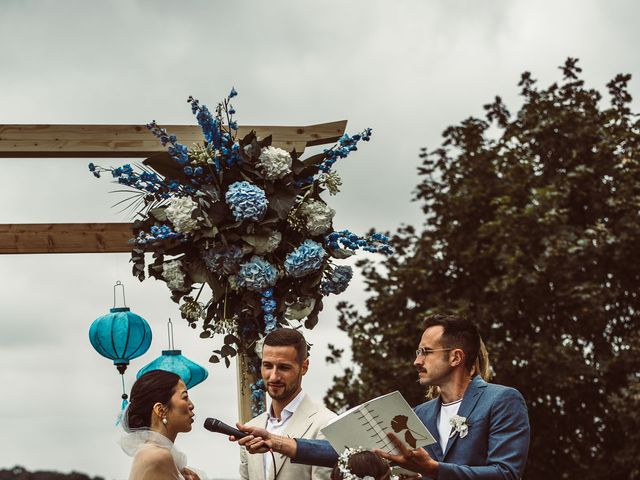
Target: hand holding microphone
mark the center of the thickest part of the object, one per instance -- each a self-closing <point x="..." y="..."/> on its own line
<point x="217" y="426"/>
<point x="254" y="439"/>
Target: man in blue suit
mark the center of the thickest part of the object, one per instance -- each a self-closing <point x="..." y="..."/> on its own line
<point x="481" y="429"/>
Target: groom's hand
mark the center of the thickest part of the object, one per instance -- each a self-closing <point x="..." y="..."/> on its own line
<point x="258" y="440"/>
<point x="416" y="460"/>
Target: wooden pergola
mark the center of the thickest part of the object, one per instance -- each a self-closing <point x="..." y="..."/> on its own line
<point x="120" y="141"/>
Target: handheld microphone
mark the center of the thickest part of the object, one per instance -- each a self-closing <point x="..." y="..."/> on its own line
<point x="216" y="426"/>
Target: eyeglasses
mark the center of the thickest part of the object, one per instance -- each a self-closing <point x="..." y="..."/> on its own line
<point x="423" y="352"/>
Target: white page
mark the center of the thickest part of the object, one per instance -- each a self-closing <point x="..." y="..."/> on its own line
<point x="367" y="425"/>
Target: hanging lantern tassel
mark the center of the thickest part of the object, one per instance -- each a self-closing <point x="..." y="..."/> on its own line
<point x="125" y="397"/>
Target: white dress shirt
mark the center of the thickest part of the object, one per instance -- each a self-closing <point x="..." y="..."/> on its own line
<point x="277" y="427"/>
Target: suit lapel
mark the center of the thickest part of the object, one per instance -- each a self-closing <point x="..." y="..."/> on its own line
<point x="256" y="462"/>
<point x="431" y="423"/>
<point x="469" y="401"/>
<point x="297" y="427"/>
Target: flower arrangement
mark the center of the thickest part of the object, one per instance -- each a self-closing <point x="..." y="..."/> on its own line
<point x="345" y="471"/>
<point x="244" y="222"/>
<point x="459" y="425"/>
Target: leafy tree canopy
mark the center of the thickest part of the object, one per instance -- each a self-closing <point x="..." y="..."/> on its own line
<point x="532" y="230"/>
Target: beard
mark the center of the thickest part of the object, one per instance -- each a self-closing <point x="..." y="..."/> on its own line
<point x="284" y="391"/>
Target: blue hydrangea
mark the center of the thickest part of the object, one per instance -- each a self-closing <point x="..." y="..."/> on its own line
<point x="246" y="201"/>
<point x="338" y="281"/>
<point x="227" y="261"/>
<point x="305" y="259"/>
<point x="257" y="274"/>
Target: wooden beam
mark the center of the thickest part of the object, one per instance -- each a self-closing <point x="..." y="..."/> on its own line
<point x="98" y="141"/>
<point x="65" y="238"/>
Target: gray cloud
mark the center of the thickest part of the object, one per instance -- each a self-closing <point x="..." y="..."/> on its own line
<point x="408" y="69"/>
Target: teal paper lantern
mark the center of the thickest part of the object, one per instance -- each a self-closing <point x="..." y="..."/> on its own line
<point x="120" y="335"/>
<point x="173" y="361"/>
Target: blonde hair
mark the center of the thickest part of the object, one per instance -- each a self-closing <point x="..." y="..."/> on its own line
<point x="481" y="367"/>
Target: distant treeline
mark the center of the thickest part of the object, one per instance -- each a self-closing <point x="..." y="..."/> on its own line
<point x="20" y="473"/>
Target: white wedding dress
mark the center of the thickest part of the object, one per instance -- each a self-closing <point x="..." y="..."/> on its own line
<point x="138" y="442"/>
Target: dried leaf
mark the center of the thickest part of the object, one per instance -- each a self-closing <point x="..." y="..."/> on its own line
<point x="399" y="423"/>
<point x="408" y="437"/>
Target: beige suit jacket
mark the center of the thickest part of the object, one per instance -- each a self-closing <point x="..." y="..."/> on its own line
<point x="306" y="422"/>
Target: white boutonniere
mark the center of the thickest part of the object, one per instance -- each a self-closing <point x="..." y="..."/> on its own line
<point x="460" y="425"/>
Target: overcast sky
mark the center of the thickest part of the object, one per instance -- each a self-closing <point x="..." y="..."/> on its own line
<point x="406" y="68"/>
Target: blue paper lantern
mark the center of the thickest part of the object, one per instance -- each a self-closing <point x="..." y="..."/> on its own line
<point x="173" y="361"/>
<point x="121" y="335"/>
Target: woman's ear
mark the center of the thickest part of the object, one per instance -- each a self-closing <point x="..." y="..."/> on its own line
<point x="159" y="410"/>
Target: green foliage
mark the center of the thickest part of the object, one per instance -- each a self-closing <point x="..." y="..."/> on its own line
<point x="532" y="229"/>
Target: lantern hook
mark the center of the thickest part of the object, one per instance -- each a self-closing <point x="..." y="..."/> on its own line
<point x="170" y="334"/>
<point x="124" y="300"/>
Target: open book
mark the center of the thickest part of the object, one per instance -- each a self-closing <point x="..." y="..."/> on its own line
<point x="367" y="425"/>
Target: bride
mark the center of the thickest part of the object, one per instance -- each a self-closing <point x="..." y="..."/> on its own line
<point x="160" y="408"/>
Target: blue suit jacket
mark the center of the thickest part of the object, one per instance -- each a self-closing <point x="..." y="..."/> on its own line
<point x="495" y="447"/>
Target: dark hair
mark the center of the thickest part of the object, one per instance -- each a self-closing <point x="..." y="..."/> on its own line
<point x="458" y="333"/>
<point x="152" y="387"/>
<point x="288" y="337"/>
<point x="365" y="463"/>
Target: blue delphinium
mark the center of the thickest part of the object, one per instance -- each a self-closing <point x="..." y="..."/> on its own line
<point x="305" y="259"/>
<point x="338" y="281"/>
<point x="246" y="201"/>
<point x="230" y="154"/>
<point x="162" y="232"/>
<point x="149" y="182"/>
<point x="210" y="125"/>
<point x="375" y="243"/>
<point x="257" y="274"/>
<point x="178" y="152"/>
<point x="269" y="305"/>
<point x="94" y="170"/>
<point x="257" y="397"/>
<point x="346" y="145"/>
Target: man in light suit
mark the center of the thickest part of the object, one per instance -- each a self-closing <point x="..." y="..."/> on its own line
<point x="491" y="440"/>
<point x="291" y="414"/>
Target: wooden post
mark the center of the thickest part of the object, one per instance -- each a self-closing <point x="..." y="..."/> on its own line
<point x="244" y="380"/>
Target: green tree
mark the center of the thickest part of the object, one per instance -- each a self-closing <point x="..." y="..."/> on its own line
<point x="532" y="229"/>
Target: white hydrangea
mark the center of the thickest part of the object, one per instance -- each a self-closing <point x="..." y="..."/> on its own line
<point x="318" y="216"/>
<point x="179" y="213"/>
<point x="273" y="241"/>
<point x="274" y="162"/>
<point x="173" y="274"/>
